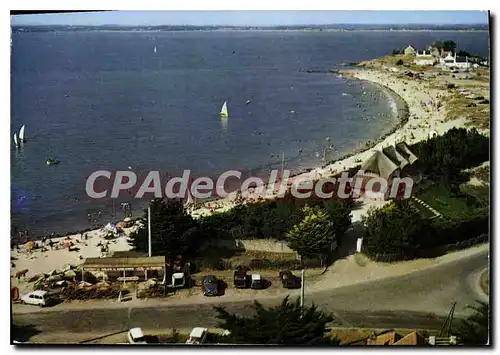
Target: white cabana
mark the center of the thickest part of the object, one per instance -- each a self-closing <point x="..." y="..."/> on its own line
<point x="110" y="228"/>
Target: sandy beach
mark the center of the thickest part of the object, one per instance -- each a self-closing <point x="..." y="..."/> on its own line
<point x="423" y="120"/>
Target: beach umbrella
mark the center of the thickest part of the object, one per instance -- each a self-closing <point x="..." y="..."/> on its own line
<point x="70" y="274"/>
<point x="30" y="245"/>
<point x="121" y="225"/>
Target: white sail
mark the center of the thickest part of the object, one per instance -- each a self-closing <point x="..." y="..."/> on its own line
<point x="223" y="110"/>
<point x="154" y="49"/>
<point x="15" y="139"/>
<point x="21" y="134"/>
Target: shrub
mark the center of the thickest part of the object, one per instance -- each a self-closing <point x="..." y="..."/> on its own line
<point x="396" y="229"/>
<point x="444" y="157"/>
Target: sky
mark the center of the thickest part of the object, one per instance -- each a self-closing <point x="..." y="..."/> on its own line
<point x="253" y="18"/>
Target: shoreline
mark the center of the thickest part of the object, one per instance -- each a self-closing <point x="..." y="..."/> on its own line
<point x="415" y="125"/>
<point x="404" y="125"/>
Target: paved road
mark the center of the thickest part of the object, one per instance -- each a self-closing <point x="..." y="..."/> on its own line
<point x="418" y="300"/>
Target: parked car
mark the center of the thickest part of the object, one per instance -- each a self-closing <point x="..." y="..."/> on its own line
<point x="178" y="280"/>
<point x="289" y="280"/>
<point x="210" y="286"/>
<point x="240" y="279"/>
<point x="197" y="336"/>
<point x="38" y="298"/>
<point x="136" y="336"/>
<point x="257" y="282"/>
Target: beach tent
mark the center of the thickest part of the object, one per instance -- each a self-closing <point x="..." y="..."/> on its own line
<point x="380" y="164"/>
<point x="406" y="152"/>
<point x="395" y="156"/>
<point x="389" y="160"/>
<point x="110" y="228"/>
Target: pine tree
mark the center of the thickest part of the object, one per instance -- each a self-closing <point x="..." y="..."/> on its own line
<point x="475" y="329"/>
<point x="285" y="324"/>
<point x="173" y="231"/>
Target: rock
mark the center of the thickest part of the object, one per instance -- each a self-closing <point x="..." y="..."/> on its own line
<point x="55" y="272"/>
<point x="84" y="284"/>
<point x="54" y="278"/>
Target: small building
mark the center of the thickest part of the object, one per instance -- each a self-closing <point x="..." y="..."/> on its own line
<point x="433" y="51"/>
<point x="456" y="61"/>
<point x="463" y="62"/>
<point x="127" y="268"/>
<point x="426" y="60"/>
<point x="409" y="50"/>
<point x="447" y="58"/>
<point x="388" y="163"/>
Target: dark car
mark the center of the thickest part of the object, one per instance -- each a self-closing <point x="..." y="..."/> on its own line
<point x="289" y="280"/>
<point x="258" y="282"/>
<point x="240" y="279"/>
<point x="210" y="286"/>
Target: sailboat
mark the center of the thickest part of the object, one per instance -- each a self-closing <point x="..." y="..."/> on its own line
<point x="21" y="135"/>
<point x="223" y="111"/>
<point x="15" y="140"/>
<point x="154" y="49"/>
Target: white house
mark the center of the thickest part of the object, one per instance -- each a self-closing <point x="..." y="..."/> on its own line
<point x="458" y="62"/>
<point x="462" y="62"/>
<point x="424" y="58"/>
<point x="447" y="59"/>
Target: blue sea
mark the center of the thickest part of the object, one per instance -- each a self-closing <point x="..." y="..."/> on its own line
<point x="103" y="100"/>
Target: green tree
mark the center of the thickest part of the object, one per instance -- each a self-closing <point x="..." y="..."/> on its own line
<point x="173" y="231"/>
<point x="396" y="229"/>
<point x="286" y="324"/>
<point x="438" y="45"/>
<point x="314" y="235"/>
<point x="174" y="337"/>
<point x="449" y="46"/>
<point x="339" y="213"/>
<point x="475" y="329"/>
<point x="463" y="54"/>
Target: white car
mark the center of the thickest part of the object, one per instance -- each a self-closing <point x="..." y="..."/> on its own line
<point x="197" y="336"/>
<point x="136" y="336"/>
<point x="37" y="298"/>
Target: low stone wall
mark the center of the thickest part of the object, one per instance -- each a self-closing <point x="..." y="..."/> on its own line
<point x="269" y="245"/>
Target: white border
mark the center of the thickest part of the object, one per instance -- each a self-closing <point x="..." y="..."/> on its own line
<point x="180" y="5"/>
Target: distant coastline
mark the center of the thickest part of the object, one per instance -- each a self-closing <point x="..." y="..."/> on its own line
<point x="298" y="28"/>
